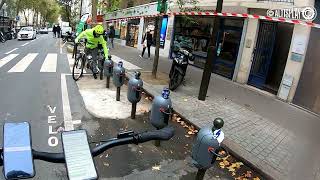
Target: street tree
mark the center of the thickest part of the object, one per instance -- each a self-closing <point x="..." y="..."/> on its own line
<point x="2" y="3"/>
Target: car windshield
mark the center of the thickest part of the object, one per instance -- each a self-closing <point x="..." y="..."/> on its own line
<point x="26" y="29"/>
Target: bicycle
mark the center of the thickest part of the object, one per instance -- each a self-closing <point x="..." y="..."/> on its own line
<point x="73" y="153"/>
<point x="83" y="60"/>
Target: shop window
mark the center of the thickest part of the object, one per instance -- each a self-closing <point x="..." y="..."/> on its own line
<point x="196" y="31"/>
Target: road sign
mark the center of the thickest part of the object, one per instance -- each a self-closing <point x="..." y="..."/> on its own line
<point x="159" y="7"/>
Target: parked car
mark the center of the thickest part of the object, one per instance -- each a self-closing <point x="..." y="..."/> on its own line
<point x="43" y="30"/>
<point x="27" y="33"/>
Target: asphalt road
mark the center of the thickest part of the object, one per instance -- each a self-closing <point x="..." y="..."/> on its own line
<point x="36" y="87"/>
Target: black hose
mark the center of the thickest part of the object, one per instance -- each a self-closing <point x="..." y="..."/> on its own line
<point x="49" y="157"/>
<point x="162" y="134"/>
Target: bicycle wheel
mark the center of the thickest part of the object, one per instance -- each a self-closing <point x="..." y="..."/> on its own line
<point x="77" y="69"/>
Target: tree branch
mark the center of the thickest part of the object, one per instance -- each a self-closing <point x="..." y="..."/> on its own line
<point x="2" y="3"/>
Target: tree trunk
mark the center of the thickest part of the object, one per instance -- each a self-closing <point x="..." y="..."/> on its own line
<point x="2" y="3"/>
<point x="25" y="17"/>
<point x="94" y="11"/>
<point x="156" y="56"/>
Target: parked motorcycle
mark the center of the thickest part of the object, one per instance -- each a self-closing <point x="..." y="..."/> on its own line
<point x="70" y="37"/>
<point x="182" y="55"/>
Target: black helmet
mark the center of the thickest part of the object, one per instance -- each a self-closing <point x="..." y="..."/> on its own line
<point x="218" y="123"/>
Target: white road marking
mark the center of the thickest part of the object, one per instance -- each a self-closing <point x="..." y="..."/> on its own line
<point x="7" y="59"/>
<point x="25" y="44"/>
<point x="127" y="65"/>
<point x="22" y="65"/>
<point x="71" y="61"/>
<point x="68" y="124"/>
<point x="50" y="63"/>
<point x="11" y="51"/>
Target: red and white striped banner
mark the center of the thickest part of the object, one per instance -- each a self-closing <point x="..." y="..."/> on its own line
<point x="224" y="14"/>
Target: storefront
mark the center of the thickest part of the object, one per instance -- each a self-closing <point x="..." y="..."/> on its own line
<point x="198" y="29"/>
<point x="132" y="33"/>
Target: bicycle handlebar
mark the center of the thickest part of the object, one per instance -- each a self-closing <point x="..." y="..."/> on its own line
<point x="132" y="138"/>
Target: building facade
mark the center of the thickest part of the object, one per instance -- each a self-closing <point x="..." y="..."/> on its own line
<point x="267" y="56"/>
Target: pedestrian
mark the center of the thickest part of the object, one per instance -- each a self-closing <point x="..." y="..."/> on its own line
<point x="54" y="30"/>
<point x="111" y="36"/>
<point x="147" y="42"/>
<point x="58" y="31"/>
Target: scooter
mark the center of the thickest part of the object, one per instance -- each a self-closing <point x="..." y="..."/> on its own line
<point x="179" y="66"/>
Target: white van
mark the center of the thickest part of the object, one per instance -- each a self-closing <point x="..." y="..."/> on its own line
<point x="65" y="27"/>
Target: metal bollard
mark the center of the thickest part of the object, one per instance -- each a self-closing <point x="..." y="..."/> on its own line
<point x="135" y="85"/>
<point x="161" y="111"/>
<point x="108" y="70"/>
<point x="118" y="78"/>
<point x="206" y="147"/>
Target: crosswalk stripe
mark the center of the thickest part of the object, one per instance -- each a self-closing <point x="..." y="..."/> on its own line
<point x="11" y="51"/>
<point x="22" y="65"/>
<point x="50" y="63"/>
<point x="71" y="62"/>
<point x="127" y="65"/>
<point x="7" y="59"/>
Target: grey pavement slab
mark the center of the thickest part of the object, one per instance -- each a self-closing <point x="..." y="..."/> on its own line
<point x="272" y="135"/>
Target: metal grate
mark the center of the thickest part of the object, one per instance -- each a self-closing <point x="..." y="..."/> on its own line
<point x="285" y="1"/>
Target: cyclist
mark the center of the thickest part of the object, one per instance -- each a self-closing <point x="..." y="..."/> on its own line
<point x="94" y="37"/>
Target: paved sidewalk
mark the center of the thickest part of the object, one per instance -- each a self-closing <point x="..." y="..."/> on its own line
<point x="274" y="136"/>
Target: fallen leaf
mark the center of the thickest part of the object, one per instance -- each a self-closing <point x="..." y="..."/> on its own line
<point x="231" y="169"/>
<point x="140" y="146"/>
<point x="178" y="119"/>
<point x="217" y="176"/>
<point x="107" y="156"/>
<point x="171" y="152"/>
<point x="182" y="123"/>
<point x="187" y="136"/>
<point x="140" y="152"/>
<point x="248" y="174"/>
<point x="187" y="144"/>
<point x="156" y="168"/>
<point x="106" y="164"/>
<point x="233" y="174"/>
<point x="256" y="178"/>
<point x="185" y="100"/>
<point x="190" y="132"/>
<point x="226" y="163"/>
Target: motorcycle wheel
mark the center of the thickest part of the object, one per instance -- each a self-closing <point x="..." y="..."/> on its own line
<point x="175" y="81"/>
